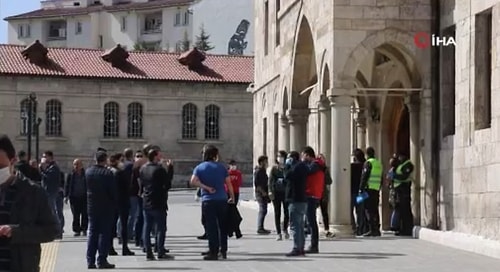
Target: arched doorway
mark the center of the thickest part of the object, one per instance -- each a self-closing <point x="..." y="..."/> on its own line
<point x="303" y="80"/>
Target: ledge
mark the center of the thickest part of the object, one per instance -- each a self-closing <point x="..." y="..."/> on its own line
<point x="185" y="141"/>
<point x="462" y="241"/>
<point x="43" y="139"/>
<point x="122" y="140"/>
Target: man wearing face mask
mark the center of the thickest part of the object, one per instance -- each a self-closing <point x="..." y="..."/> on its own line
<point x="51" y="182"/>
<point x="277" y="187"/>
<point x="34" y="223"/>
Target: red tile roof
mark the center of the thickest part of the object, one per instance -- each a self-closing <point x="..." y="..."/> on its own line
<point x="88" y="63"/>
<point x="73" y="11"/>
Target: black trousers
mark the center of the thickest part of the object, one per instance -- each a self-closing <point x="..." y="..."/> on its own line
<point x="278" y="202"/>
<point x="323" y="205"/>
<point x="372" y="210"/>
<point x="359" y="224"/>
<point x="78" y="207"/>
<point x="123" y="213"/>
<point x="139" y="223"/>
<point x="403" y="208"/>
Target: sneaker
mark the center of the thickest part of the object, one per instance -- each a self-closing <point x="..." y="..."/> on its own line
<point x="106" y="266"/>
<point x="329" y="234"/>
<point x="211" y="257"/>
<point x="165" y="257"/>
<point x="312" y="250"/>
<point x="287" y="235"/>
<point x="296" y="253"/>
<point x="127" y="252"/>
<point x="279" y="238"/>
<point x="203" y="237"/>
<point x="263" y="232"/>
<point x="76" y="234"/>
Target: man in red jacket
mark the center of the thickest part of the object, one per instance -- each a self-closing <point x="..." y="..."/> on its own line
<point x="236" y="180"/>
<point x="314" y="191"/>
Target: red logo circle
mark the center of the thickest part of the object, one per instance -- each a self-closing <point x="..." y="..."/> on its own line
<point x="422" y="40"/>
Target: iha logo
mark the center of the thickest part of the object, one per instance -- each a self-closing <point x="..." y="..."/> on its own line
<point x="424" y="40"/>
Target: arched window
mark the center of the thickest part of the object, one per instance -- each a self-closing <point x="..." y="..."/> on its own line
<point x="189" y="112"/>
<point x="24" y="111"/>
<point x="134" y="124"/>
<point x="111" y="120"/>
<point x="212" y="113"/>
<point x="53" y="118"/>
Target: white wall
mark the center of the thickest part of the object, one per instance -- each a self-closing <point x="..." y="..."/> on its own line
<point x="220" y="19"/>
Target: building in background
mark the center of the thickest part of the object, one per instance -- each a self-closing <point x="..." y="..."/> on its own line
<point x="167" y="25"/>
<point x="90" y="98"/>
<point x="342" y="74"/>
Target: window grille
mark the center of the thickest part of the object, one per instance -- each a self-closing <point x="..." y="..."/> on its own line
<point x="212" y="113"/>
<point x="111" y="120"/>
<point x="189" y="112"/>
<point x="53" y="118"/>
<point x="134" y="127"/>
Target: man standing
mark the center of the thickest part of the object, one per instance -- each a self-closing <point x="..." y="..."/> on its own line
<point x="277" y="186"/>
<point x="314" y="192"/>
<point x="75" y="191"/>
<point x="359" y="224"/>
<point x="402" y="185"/>
<point x="371" y="181"/>
<point x="133" y="199"/>
<point x="101" y="201"/>
<point x="260" y="181"/>
<point x="296" y="173"/>
<point x="155" y="183"/>
<point x="25" y="168"/>
<point x="34" y="223"/>
<point x="51" y="182"/>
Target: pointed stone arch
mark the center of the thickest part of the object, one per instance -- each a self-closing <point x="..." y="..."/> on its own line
<point x="304" y="65"/>
<point x="325" y="84"/>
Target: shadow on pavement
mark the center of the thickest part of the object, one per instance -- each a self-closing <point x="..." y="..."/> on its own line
<point x="337" y="255"/>
<point x="157" y="268"/>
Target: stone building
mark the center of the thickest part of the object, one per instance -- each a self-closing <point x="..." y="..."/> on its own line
<point x="89" y="98"/>
<point x="399" y="75"/>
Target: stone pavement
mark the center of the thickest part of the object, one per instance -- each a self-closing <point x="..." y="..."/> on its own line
<point x="263" y="253"/>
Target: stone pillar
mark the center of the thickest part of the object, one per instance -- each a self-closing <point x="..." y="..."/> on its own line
<point x="284" y="134"/>
<point x="325" y="129"/>
<point x="414" y="111"/>
<point x="340" y="165"/>
<point x="361" y="130"/>
<point x="298" y="132"/>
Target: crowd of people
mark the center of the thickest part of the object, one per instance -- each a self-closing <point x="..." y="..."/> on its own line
<point x="125" y="195"/>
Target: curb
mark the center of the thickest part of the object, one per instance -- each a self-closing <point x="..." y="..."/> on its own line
<point x="461" y="241"/>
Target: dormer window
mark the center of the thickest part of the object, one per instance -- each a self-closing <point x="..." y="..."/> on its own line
<point x="24" y="31"/>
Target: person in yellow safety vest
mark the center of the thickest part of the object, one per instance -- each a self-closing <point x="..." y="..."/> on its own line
<point x="371" y="181"/>
<point x="402" y="217"/>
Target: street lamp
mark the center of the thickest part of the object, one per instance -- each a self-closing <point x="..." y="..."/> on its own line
<point x="37" y="137"/>
<point x="32" y="103"/>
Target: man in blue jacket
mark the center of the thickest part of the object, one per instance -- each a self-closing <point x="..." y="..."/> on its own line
<point x="51" y="182"/>
<point x="101" y="201"/>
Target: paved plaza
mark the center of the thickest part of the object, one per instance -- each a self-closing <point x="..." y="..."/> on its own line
<point x="263" y="253"/>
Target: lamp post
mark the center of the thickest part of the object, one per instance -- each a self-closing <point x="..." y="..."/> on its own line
<point x="37" y="137"/>
<point x="32" y="103"/>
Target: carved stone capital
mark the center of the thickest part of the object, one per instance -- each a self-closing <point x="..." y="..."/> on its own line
<point x="297" y="116"/>
<point x="340" y="101"/>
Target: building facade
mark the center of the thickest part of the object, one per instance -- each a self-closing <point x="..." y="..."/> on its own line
<point x="138" y="24"/>
<point x="86" y="102"/>
<point x="416" y="77"/>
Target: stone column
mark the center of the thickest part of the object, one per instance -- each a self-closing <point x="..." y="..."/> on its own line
<point x="325" y="128"/>
<point x="414" y="111"/>
<point x="340" y="165"/>
<point x="361" y="130"/>
<point x="284" y="134"/>
<point x="298" y="132"/>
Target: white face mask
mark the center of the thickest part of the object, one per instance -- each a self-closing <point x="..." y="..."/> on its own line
<point x="232" y="167"/>
<point x="5" y="174"/>
<point x="281" y="160"/>
<point x="120" y="165"/>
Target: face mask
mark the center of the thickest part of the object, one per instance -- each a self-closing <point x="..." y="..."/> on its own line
<point x="120" y="165"/>
<point x="289" y="161"/>
<point x="281" y="160"/>
<point x="232" y="167"/>
<point x="5" y="174"/>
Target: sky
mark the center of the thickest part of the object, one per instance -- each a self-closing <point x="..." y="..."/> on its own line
<point x="13" y="7"/>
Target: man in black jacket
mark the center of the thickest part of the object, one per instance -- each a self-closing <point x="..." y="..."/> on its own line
<point x="296" y="173"/>
<point x="155" y="183"/>
<point x="51" y="182"/>
<point x="260" y="181"/>
<point x="101" y="203"/>
<point x="24" y="167"/>
<point x="75" y="191"/>
<point x="26" y="220"/>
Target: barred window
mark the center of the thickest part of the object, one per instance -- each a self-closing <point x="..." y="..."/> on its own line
<point x="212" y="122"/>
<point x="134" y="126"/>
<point x="189" y="112"/>
<point x="53" y="118"/>
<point x="24" y="110"/>
<point x="111" y="120"/>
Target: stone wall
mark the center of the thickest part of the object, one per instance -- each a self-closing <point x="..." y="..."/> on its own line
<point x="82" y="115"/>
<point x="470" y="164"/>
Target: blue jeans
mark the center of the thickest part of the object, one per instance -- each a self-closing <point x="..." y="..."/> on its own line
<point x="215" y="212"/>
<point x="312" y="206"/>
<point x="134" y="209"/>
<point x="158" y="219"/>
<point x="262" y="214"/>
<point x="297" y="212"/>
<point x="56" y="202"/>
<point x="99" y="238"/>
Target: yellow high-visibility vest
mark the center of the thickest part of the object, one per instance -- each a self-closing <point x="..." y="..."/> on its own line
<point x="399" y="171"/>
<point x="375" y="174"/>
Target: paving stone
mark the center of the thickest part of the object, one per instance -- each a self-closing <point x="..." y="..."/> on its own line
<point x="263" y="253"/>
